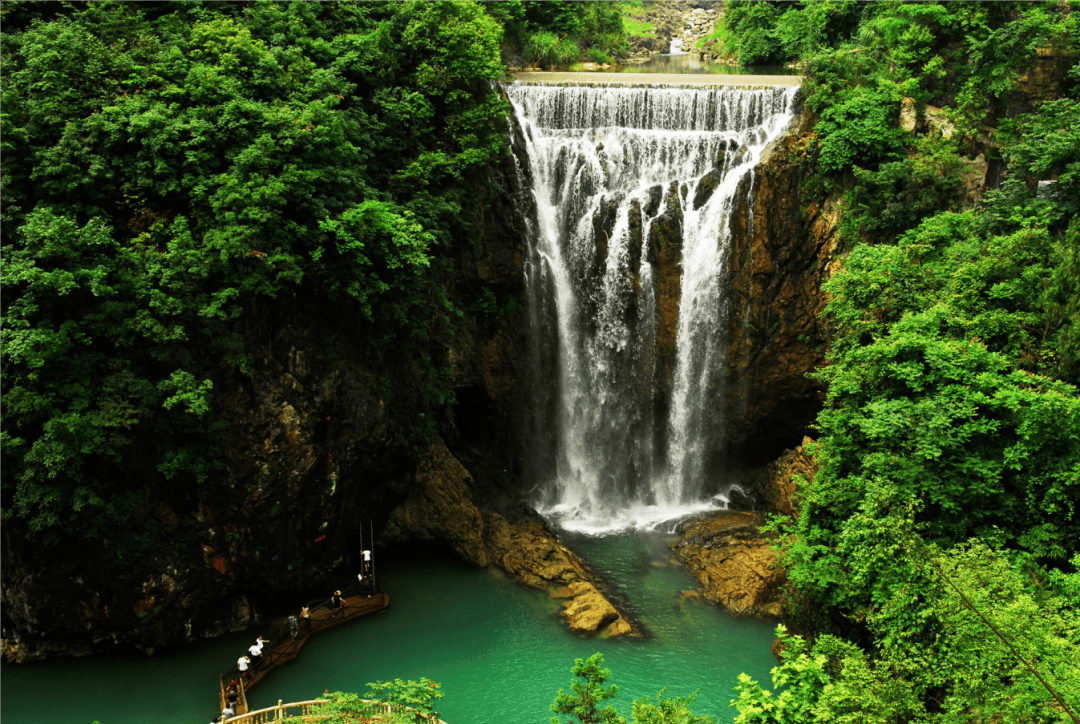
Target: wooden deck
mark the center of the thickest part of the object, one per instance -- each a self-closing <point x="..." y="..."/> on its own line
<point x="285" y="648"/>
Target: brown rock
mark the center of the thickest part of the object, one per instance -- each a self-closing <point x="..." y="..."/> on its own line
<point x="909" y="116"/>
<point x="783" y="246"/>
<point x="784" y="475"/>
<point x="733" y="562"/>
<point x="665" y="252"/>
<point x="441" y="506"/>
<point x="973" y="175"/>
<point x="588" y="611"/>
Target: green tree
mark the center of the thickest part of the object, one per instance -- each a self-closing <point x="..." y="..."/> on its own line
<point x="171" y="174"/>
<point x="587" y="693"/>
<point x="420" y="696"/>
<point x="667" y="710"/>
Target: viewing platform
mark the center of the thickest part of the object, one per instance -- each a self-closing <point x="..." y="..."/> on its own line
<point x="661" y="79"/>
<point x="283" y="647"/>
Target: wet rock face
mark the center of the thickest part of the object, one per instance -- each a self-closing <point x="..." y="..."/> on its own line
<point x="665" y="253"/>
<point x="733" y="563"/>
<point x="515" y="540"/>
<point x="784" y="245"/>
<point x="784" y="475"/>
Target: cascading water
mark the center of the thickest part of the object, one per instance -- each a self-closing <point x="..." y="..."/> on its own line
<point x="626" y="269"/>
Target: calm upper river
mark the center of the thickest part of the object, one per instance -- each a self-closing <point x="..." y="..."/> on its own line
<point x="497" y="648"/>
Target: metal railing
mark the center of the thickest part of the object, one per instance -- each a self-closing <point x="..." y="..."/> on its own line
<point x="307" y="710"/>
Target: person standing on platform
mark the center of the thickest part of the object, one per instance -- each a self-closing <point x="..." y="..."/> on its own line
<point x="305" y="618"/>
<point x="366" y="575"/>
<point x="337" y="603"/>
<point x="256" y="651"/>
<point x="232" y="694"/>
<point x="243" y="664"/>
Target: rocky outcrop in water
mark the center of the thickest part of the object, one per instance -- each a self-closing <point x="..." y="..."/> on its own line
<point x="733" y="562"/>
<point x="513" y="539"/>
<point x="730" y="556"/>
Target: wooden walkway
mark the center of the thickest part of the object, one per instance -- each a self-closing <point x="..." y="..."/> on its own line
<point x="283" y="648"/>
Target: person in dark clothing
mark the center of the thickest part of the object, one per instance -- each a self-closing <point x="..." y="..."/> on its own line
<point x="232" y="694"/>
<point x="337" y="603"/>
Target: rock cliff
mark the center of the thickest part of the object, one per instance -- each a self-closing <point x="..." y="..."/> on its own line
<point x="784" y="245"/>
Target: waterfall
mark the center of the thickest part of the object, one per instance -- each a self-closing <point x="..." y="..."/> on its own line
<point x="626" y="270"/>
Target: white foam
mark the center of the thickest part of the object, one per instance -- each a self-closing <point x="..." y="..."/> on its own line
<point x="636" y="518"/>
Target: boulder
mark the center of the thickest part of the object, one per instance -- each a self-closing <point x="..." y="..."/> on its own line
<point x="588" y="611"/>
<point x="783" y="476"/>
<point x="733" y="563"/>
<point x="973" y="175"/>
<point x="909" y="116"/>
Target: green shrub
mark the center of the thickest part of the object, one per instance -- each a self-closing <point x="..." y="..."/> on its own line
<point x="893" y="199"/>
<point x="859" y="130"/>
<point x="548" y="50"/>
<point x="598" y="56"/>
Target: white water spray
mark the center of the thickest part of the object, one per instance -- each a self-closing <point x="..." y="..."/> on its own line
<point x="630" y="429"/>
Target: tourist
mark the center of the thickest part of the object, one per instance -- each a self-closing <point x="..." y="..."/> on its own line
<point x="232" y="694"/>
<point x="294" y="627"/>
<point x="337" y="603"/>
<point x="256" y="650"/>
<point x="305" y="617"/>
<point x="367" y="574"/>
<point x="227" y="713"/>
<point x="242" y="663"/>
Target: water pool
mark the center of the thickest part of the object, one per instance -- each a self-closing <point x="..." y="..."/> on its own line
<point x="498" y="649"/>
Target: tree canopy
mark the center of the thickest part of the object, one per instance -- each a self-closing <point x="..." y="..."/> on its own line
<point x="167" y="166"/>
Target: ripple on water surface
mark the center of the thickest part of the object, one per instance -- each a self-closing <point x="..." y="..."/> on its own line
<point x="497" y="648"/>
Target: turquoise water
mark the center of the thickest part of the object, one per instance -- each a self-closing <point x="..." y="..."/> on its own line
<point x="498" y="649"/>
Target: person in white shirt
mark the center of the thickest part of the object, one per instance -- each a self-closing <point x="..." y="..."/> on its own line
<point x="242" y="664"/>
<point x="256" y="651"/>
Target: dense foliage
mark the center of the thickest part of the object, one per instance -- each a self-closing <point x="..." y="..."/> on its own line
<point x="412" y="702"/>
<point x="169" y="169"/>
<point x="933" y="560"/>
<point x="588" y="692"/>
<point x="553" y="33"/>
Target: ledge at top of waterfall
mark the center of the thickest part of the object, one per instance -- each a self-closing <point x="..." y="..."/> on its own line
<point x="659" y="80"/>
<point x="630" y="311"/>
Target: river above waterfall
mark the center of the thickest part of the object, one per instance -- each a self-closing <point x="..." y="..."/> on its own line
<point x="498" y="649"/>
